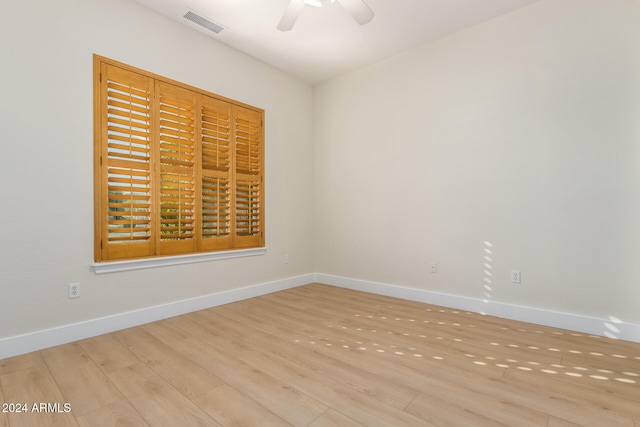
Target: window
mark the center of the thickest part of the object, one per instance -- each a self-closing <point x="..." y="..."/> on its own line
<point x="178" y="170"/>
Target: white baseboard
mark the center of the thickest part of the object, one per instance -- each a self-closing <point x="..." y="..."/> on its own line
<point x="22" y="344"/>
<point x="612" y="328"/>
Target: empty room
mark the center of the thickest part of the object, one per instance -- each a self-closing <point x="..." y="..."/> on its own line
<point x="320" y="213"/>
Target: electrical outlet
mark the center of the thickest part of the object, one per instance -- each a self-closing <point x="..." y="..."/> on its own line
<point x="434" y="267"/>
<point x="74" y="290"/>
<point x="515" y="276"/>
<point x="286" y="258"/>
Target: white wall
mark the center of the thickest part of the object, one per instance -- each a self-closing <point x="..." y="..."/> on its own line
<point x="523" y="132"/>
<point x="46" y="160"/>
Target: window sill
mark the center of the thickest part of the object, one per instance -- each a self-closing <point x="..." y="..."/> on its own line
<point x="139" y="264"/>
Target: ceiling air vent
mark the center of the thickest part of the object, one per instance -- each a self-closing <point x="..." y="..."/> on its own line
<point x="200" y="20"/>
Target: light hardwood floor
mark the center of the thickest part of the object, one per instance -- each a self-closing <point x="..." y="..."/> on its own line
<point x="322" y="356"/>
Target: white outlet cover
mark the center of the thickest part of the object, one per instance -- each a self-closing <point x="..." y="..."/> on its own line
<point x="516" y="277"/>
<point x="74" y="290"/>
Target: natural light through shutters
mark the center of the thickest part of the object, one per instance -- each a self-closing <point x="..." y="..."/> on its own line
<point x="129" y="200"/>
<point x="216" y="172"/>
<point x="248" y="179"/>
<point x="247" y="208"/>
<point x="177" y="171"/>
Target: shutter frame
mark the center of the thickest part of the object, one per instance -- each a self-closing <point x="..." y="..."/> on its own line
<point x="123" y="236"/>
<point x="249" y="182"/>
<point x="216" y="169"/>
<point x="175" y="182"/>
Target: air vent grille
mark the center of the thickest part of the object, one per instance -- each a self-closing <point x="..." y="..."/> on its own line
<point x="202" y="21"/>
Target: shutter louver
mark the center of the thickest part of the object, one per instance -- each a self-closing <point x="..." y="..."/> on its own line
<point x="215" y="129"/>
<point x="248" y="143"/>
<point x="248" y="174"/>
<point x="176" y="181"/>
<point x="247" y="208"/>
<point x="126" y="165"/>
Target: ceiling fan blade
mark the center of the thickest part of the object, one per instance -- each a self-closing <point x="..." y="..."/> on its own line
<point x="358" y="9"/>
<point x="290" y="15"/>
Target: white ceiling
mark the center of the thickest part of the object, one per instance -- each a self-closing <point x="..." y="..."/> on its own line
<point x="326" y="42"/>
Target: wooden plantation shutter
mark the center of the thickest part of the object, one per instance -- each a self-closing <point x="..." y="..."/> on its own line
<point x="215" y="196"/>
<point x="248" y="169"/>
<point x="178" y="170"/>
<point x="125" y="174"/>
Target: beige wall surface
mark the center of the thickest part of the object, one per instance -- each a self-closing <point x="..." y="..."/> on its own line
<point x="512" y="145"/>
<point x="46" y="165"/>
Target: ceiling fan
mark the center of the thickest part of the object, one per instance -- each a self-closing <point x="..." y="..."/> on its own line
<point x="357" y="8"/>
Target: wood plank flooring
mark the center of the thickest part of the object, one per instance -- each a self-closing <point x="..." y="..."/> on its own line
<point x="321" y="356"/>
